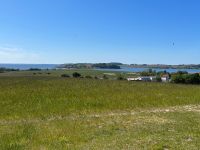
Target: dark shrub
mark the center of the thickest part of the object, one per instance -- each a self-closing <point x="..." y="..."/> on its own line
<point x="65" y="75"/>
<point x="120" y="78"/>
<point x="105" y="77"/>
<point x="76" y="75"/>
<point x="88" y="77"/>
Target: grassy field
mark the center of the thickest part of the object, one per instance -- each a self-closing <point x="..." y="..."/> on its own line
<point x="58" y="73"/>
<point x="50" y="112"/>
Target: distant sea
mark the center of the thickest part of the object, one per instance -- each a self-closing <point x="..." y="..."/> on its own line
<point x="28" y="66"/>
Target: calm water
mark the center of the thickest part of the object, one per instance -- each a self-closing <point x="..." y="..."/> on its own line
<point x="157" y="70"/>
<point x="125" y="69"/>
<point x="28" y="66"/>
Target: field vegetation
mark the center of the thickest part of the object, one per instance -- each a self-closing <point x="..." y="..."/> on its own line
<point x="47" y="111"/>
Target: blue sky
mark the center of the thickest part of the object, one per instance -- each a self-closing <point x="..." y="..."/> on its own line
<point x="128" y="31"/>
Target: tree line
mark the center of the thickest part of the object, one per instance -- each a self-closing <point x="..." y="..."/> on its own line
<point x="2" y="70"/>
<point x="184" y="77"/>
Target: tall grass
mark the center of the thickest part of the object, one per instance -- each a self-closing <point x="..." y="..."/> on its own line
<point x="42" y="96"/>
<point x="40" y="112"/>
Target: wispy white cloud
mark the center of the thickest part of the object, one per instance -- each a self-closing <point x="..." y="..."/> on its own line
<point x="17" y="55"/>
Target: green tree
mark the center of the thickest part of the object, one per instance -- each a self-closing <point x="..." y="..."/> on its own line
<point x="178" y="78"/>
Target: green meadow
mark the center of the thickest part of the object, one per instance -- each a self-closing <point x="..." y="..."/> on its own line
<point x="45" y="111"/>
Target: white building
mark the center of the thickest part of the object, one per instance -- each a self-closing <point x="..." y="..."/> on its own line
<point x="134" y="79"/>
<point x="165" y="78"/>
<point x="147" y="78"/>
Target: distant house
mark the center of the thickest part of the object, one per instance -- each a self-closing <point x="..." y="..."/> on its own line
<point x="153" y="78"/>
<point x="146" y="78"/>
<point x="165" y="78"/>
<point x="134" y="79"/>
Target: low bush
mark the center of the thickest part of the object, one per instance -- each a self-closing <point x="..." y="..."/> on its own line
<point x="105" y="77"/>
<point x="120" y="78"/>
<point x="65" y="75"/>
<point x="88" y="77"/>
<point x="76" y="75"/>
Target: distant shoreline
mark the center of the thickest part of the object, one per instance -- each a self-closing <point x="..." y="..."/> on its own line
<point x="128" y="69"/>
<point x="123" y="67"/>
<point x="28" y="66"/>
